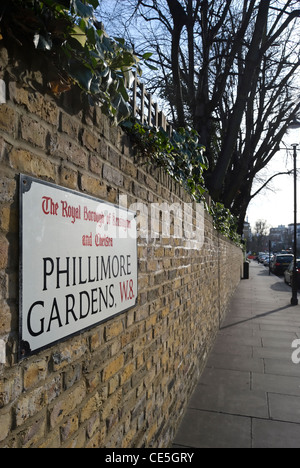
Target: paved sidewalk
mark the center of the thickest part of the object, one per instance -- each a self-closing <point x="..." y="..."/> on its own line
<point x="249" y="393"/>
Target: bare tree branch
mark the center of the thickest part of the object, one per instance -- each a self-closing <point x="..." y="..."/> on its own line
<point x="230" y="69"/>
<point x="268" y="182"/>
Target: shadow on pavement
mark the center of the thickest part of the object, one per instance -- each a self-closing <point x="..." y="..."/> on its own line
<point x="257" y="316"/>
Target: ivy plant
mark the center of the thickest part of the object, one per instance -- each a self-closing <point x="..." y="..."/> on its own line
<point x="181" y="154"/>
<point x="67" y="32"/>
<point x="225" y="222"/>
<point x="183" y="157"/>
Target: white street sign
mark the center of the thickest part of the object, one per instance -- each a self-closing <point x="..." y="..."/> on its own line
<point x="78" y="263"/>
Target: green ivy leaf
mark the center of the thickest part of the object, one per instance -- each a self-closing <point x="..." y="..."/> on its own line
<point x="147" y="56"/>
<point x="82" y="75"/>
<point x="77" y="34"/>
<point x="82" y="10"/>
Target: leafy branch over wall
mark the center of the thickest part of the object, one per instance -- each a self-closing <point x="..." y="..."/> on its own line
<point x="69" y="34"/>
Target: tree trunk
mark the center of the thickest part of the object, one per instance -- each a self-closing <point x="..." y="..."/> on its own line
<point x="253" y="61"/>
<point x="180" y="20"/>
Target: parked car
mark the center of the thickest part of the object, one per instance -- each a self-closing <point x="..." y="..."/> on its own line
<point x="288" y="274"/>
<point x="280" y="263"/>
<point x="262" y="257"/>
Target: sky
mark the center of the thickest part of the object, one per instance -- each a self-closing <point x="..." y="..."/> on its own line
<point x="276" y="204"/>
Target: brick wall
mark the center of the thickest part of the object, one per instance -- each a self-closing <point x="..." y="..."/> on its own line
<point x="126" y="382"/>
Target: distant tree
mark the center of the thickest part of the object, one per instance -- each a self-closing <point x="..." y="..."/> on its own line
<point x="260" y="235"/>
<point x="228" y="68"/>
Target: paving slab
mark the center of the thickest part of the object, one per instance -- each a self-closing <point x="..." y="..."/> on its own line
<point x="227" y="400"/>
<point x="273" y="353"/>
<point x="241" y="363"/>
<point x="249" y="393"/>
<point x="281" y="368"/>
<point x="275" y="434"/>
<point x="284" y="408"/>
<point x="213" y="430"/>
<point x="270" y="383"/>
